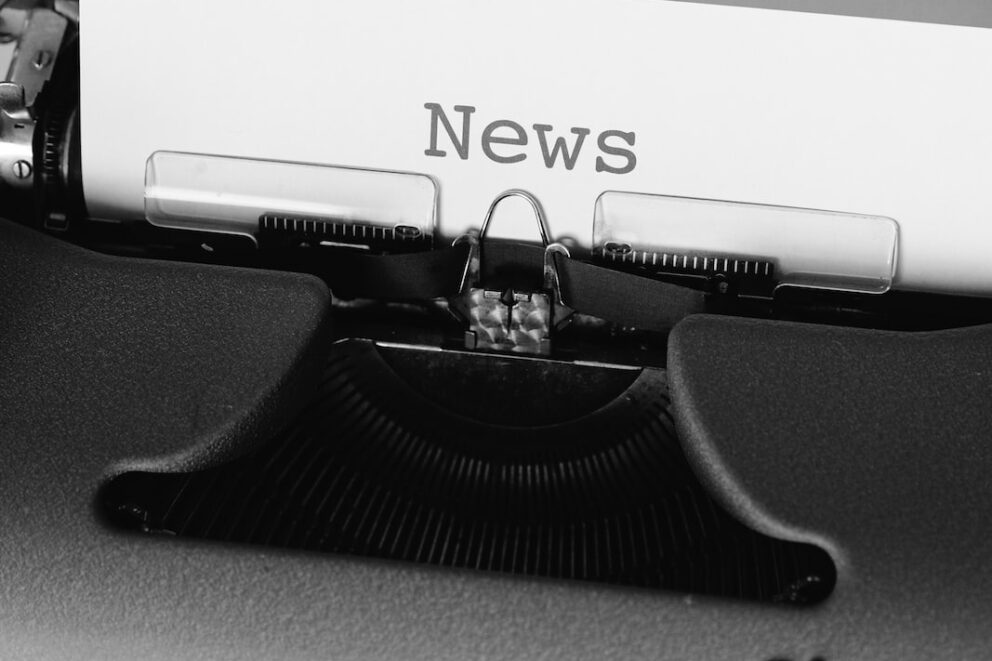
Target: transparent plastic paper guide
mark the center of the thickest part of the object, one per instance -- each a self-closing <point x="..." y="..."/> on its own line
<point x="229" y="194"/>
<point x="809" y="248"/>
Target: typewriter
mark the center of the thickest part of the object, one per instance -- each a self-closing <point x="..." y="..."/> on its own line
<point x="628" y="329"/>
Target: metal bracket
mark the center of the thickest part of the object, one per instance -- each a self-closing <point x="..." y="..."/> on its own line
<point x="512" y="320"/>
<point x="39" y="36"/>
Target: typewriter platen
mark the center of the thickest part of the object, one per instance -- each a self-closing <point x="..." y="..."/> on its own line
<point x="676" y="393"/>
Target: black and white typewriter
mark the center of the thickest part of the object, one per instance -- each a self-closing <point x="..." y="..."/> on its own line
<point x="435" y="330"/>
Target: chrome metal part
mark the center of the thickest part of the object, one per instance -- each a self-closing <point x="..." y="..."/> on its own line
<point x="542" y="224"/>
<point x="39" y="36"/>
<point x="511" y="320"/>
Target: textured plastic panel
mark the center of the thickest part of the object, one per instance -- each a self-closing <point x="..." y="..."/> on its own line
<point x="874" y="445"/>
<point x="109" y="365"/>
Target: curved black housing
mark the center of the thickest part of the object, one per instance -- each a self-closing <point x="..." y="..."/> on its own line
<point x="871" y="444"/>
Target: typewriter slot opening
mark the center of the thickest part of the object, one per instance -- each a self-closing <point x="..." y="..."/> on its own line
<point x="457" y="459"/>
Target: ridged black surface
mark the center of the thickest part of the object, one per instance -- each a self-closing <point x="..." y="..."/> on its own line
<point x="594" y="486"/>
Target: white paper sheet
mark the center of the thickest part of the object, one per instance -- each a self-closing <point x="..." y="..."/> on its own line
<point x="857" y="115"/>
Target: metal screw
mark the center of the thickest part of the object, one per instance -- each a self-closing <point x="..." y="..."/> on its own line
<point x="42" y="59"/>
<point x="22" y="169"/>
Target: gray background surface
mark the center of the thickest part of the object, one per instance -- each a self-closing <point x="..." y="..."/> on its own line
<point x="953" y="12"/>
